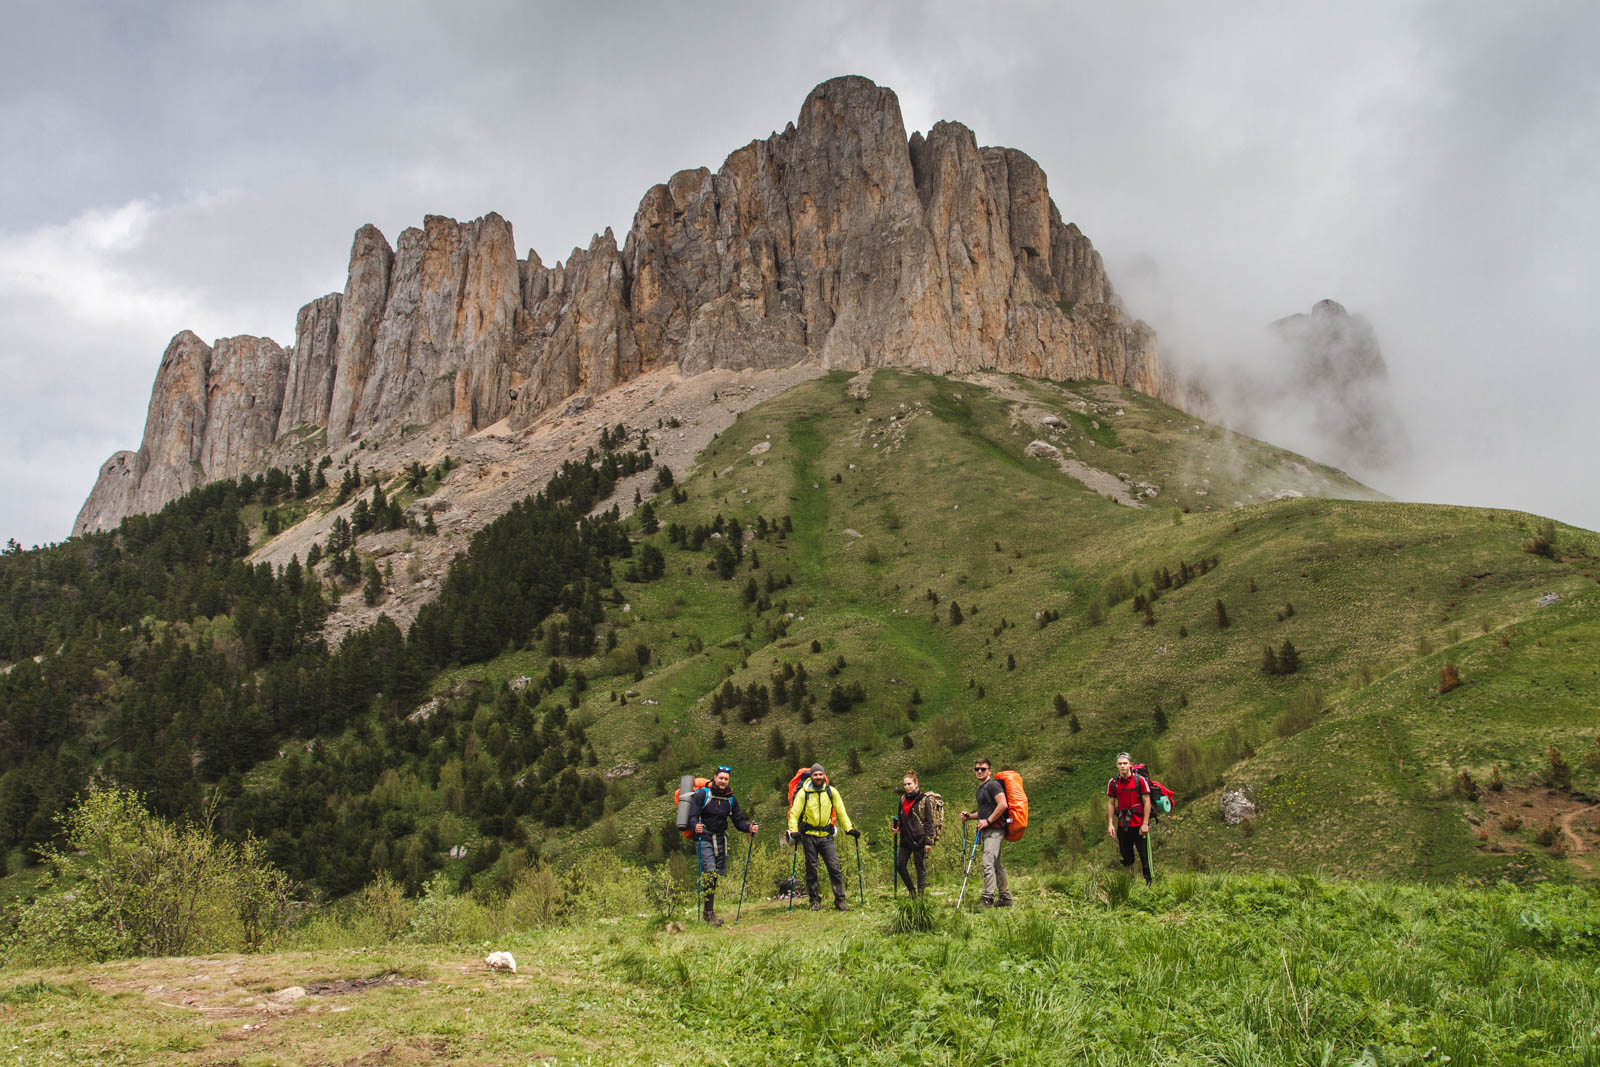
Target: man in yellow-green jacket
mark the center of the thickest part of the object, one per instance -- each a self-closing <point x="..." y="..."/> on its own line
<point x="815" y="816"/>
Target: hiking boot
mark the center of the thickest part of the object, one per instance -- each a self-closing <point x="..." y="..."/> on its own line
<point x="984" y="902"/>
<point x="816" y="905"/>
<point x="710" y="915"/>
<point x="1004" y="903"/>
<point x="840" y="905"/>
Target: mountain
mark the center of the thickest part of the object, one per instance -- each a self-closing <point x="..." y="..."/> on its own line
<point x="876" y="569"/>
<point x="838" y="241"/>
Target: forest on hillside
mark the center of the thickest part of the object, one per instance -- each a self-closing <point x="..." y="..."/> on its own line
<point x="158" y="658"/>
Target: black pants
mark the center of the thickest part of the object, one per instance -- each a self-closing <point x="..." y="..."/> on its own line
<point x="903" y="857"/>
<point x="830" y="856"/>
<point x="1129" y="840"/>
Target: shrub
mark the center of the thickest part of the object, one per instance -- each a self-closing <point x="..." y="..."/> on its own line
<point x="1061" y="708"/>
<point x="1465" y="786"/>
<point x="1496" y="783"/>
<point x="953" y="731"/>
<point x="1222" y="616"/>
<point x="128" y="882"/>
<point x="1546" y="834"/>
<point x="1449" y="678"/>
<point x="1299" y="713"/>
<point x="1511" y="823"/>
<point x="1557" y="774"/>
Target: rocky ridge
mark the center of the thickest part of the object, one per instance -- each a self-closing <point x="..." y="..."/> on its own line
<point x="838" y="242"/>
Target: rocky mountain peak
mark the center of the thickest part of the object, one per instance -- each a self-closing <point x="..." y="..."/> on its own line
<point x="840" y="241"/>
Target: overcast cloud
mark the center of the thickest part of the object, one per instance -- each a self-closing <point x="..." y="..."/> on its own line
<point x="1431" y="166"/>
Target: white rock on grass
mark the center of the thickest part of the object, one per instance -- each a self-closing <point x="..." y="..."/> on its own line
<point x="501" y="961"/>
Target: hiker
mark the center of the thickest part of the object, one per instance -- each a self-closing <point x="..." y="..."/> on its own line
<point x="916" y="830"/>
<point x="1128" y="814"/>
<point x="816" y="814"/>
<point x="992" y="819"/>
<point x="710" y="810"/>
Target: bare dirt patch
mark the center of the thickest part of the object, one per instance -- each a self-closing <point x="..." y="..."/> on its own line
<point x="1513" y="818"/>
<point x="359" y="985"/>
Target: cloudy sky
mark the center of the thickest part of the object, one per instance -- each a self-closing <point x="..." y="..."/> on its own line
<point x="1433" y="166"/>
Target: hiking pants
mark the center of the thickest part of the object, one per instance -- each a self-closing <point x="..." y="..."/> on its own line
<point x="713" y="860"/>
<point x="903" y="857"/>
<point x="830" y="856"/>
<point x="1129" y="839"/>
<point x="996" y="889"/>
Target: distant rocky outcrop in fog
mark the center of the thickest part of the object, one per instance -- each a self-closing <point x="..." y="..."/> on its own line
<point x="839" y="240"/>
<point x="1336" y="376"/>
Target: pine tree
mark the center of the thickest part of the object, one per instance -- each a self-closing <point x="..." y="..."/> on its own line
<point x="1288" y="658"/>
<point x="1073" y="726"/>
<point x="1222" y="616"/>
<point x="1269" y="661"/>
<point x="955" y="614"/>
<point x="1061" y="708"/>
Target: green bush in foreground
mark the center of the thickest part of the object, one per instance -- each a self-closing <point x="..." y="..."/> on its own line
<point x="130" y="883"/>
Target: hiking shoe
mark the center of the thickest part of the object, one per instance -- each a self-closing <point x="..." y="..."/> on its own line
<point x="1003" y="903"/>
<point x="840" y="905"/>
<point x="711" y="917"/>
<point x="816" y="905"/>
<point x="982" y="903"/>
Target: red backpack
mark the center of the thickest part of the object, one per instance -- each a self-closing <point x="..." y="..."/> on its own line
<point x="1161" y="797"/>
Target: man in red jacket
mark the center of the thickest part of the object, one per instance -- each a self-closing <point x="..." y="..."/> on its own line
<point x="1128" y="814"/>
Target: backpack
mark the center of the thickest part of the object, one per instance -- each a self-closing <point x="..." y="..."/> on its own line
<point x="687" y="786"/>
<point x="1016" y="804"/>
<point x="1161" y="797"/>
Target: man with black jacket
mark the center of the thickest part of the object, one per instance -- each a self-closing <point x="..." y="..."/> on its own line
<point x="710" y="810"/>
<point x="916" y="830"/>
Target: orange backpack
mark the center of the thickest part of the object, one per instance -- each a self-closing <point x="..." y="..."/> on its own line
<point x="1016" y="804"/>
<point x="681" y="799"/>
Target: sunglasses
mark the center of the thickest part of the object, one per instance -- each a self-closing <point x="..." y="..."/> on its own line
<point x="724" y="770"/>
<point x="980" y="767"/>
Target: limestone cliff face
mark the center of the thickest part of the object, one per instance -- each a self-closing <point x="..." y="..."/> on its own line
<point x="838" y="240"/>
<point x="308" y="390"/>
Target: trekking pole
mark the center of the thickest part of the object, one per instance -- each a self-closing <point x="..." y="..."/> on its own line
<point x="861" y="890"/>
<point x="894" y="862"/>
<point x="699" y="873"/>
<point x="743" y="877"/>
<point x="1150" y="855"/>
<point x="976" y="837"/>
<point x="793" y="856"/>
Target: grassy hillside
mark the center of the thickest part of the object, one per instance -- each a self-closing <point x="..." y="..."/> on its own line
<point x="922" y="495"/>
<point x="1205" y="969"/>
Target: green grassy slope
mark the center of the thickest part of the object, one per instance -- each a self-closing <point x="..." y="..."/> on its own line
<point x="926" y="485"/>
<point x="1241" y="970"/>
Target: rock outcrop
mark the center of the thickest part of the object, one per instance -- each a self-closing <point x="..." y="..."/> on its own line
<point x="1333" y="372"/>
<point x="308" y="392"/>
<point x="839" y="241"/>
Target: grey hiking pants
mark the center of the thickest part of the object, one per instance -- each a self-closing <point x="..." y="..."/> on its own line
<point x="814" y="845"/>
<point x="996" y="889"/>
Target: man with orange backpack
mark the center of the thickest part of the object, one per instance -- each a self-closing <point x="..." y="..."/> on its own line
<point x="1128" y="814"/>
<point x="711" y="808"/>
<point x="992" y="820"/>
<point x="815" y="815"/>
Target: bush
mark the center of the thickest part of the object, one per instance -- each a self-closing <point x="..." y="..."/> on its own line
<point x="953" y="732"/>
<point x="128" y="882"/>
<point x="1449" y="678"/>
<point x="1299" y="713"/>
